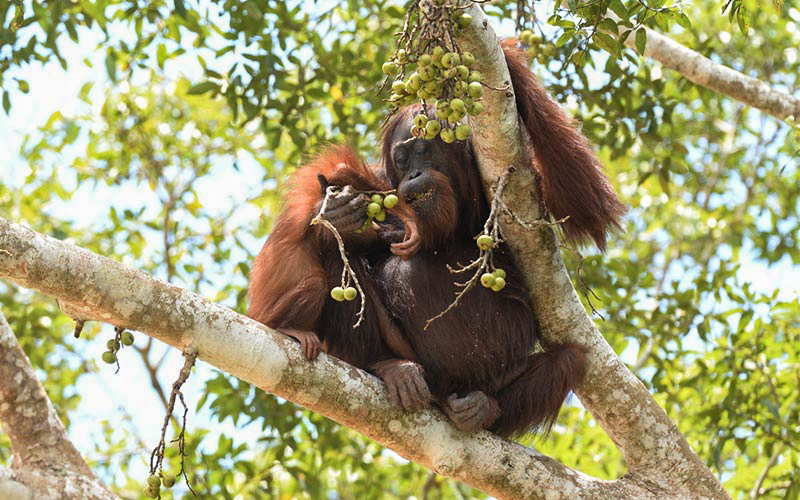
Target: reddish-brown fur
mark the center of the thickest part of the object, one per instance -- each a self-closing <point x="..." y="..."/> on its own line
<point x="573" y="182"/>
<point x="486" y="344"/>
<point x="299" y="264"/>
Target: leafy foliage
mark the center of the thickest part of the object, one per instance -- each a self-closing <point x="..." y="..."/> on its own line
<point x="200" y="110"/>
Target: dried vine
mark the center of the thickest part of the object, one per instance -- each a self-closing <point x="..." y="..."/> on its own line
<point x="157" y="475"/>
<point x="485" y="260"/>
<point x="348" y="274"/>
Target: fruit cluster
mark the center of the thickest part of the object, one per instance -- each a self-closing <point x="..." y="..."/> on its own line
<point x="340" y="294"/>
<point x="153" y="489"/>
<point x="442" y="78"/>
<point x="496" y="280"/>
<point x="114" y="345"/>
<point x="378" y="205"/>
<point x="534" y="44"/>
<point x="376" y="211"/>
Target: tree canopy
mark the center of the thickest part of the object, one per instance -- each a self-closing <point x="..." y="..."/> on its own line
<point x="191" y="114"/>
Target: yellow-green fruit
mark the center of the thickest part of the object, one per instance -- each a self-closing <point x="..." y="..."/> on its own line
<point x="476" y="109"/>
<point x="126" y="338"/>
<point x="499" y="284"/>
<point x="463" y="131"/>
<point x="447" y="135"/>
<point x="113" y="345"/>
<point x="425" y="60"/>
<point x="475" y="90"/>
<point x="475" y="76"/>
<point x="402" y="56"/>
<point x="432" y="128"/>
<point x="414" y="81"/>
<point x="457" y="105"/>
<point x="433" y="87"/>
<point x="499" y="273"/>
<point x="109" y="357"/>
<point x="460" y="88"/>
<point x="442" y="109"/>
<point x="373" y="209"/>
<point x="467" y="58"/>
<point x="390" y="68"/>
<point x="462" y="71"/>
<point x="485" y="242"/>
<point x="454" y="118"/>
<point x="337" y="293"/>
<point x="450" y="60"/>
<point x="398" y="87"/>
<point x="376" y="198"/>
<point x="381" y="216"/>
<point x="154" y="481"/>
<point x="391" y="199"/>
<point x="350" y="293"/>
<point x="487" y="279"/>
<point x="436" y="56"/>
<point x="420" y="120"/>
<point x="526" y="36"/>
<point x="396" y="100"/>
<point x="169" y="480"/>
<point x="464" y="20"/>
<point x="151" y="492"/>
<point x="426" y="73"/>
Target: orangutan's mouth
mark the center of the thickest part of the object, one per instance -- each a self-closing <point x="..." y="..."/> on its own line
<point x="413" y="198"/>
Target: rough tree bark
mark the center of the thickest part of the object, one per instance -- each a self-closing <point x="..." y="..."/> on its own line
<point x="661" y="464"/>
<point x="45" y="465"/>
<point x="702" y="71"/>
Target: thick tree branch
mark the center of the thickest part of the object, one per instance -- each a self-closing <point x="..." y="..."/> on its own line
<point x="45" y="463"/>
<point x="98" y="288"/>
<point x="653" y="447"/>
<point x="702" y="71"/>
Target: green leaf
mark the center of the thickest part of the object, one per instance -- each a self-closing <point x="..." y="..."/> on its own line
<point x="111" y="64"/>
<point x="564" y="38"/>
<point x="161" y="55"/>
<point x="609" y="25"/>
<point x="180" y="8"/>
<point x="683" y="20"/>
<point x="641" y="40"/>
<point x="606" y="42"/>
<point x="202" y="88"/>
<point x="23" y="86"/>
<point x="6" y="101"/>
<point x="619" y="9"/>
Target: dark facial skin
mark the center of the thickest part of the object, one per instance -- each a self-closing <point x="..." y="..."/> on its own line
<point x="413" y="164"/>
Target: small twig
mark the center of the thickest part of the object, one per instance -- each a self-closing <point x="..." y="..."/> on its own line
<point x="157" y="455"/>
<point x="4" y="251"/>
<point x="347" y="270"/>
<point x="587" y="291"/>
<point x="118" y="338"/>
<point x="79" y="323"/>
<point x="481" y="264"/>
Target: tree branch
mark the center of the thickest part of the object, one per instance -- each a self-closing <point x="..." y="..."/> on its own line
<point x="45" y="463"/>
<point x="98" y="288"/>
<point x="653" y="447"/>
<point x="702" y="71"/>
